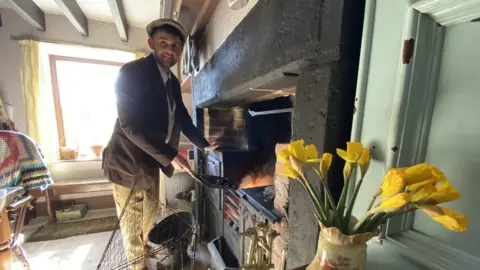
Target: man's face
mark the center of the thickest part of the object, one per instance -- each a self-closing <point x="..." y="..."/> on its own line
<point x="166" y="47"/>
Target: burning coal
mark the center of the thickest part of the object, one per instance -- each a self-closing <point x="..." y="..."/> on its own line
<point x="261" y="175"/>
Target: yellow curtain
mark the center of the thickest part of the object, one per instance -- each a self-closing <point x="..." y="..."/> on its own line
<point x="38" y="99"/>
<point x="139" y="55"/>
<point x="29" y="78"/>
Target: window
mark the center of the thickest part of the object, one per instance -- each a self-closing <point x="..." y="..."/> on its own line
<point x="84" y="100"/>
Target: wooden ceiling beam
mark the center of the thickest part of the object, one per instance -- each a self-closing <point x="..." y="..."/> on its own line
<point x="200" y="16"/>
<point x="118" y="14"/>
<point x="204" y="15"/>
<point x="177" y="6"/>
<point x="166" y="10"/>
<point x="29" y="11"/>
<point x="75" y="15"/>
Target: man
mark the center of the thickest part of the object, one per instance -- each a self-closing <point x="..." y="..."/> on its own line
<point x="151" y="115"/>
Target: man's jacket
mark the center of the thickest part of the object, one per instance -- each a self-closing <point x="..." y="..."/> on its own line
<point x="137" y="148"/>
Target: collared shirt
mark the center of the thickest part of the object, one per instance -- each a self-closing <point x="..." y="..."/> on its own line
<point x="164" y="74"/>
<point x="171" y="107"/>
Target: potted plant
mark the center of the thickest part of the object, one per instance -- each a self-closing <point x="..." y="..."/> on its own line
<point x="343" y="238"/>
<point x="97" y="150"/>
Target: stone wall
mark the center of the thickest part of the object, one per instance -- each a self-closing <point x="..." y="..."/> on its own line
<point x="282" y="185"/>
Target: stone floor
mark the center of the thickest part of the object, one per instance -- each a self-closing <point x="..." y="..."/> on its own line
<point x="80" y="252"/>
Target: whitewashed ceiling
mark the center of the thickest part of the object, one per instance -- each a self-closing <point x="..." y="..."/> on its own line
<point x="137" y="12"/>
<point x="193" y="14"/>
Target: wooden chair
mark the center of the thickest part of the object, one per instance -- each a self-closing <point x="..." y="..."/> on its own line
<point x="16" y="215"/>
<point x="12" y="219"/>
<point x="6" y="256"/>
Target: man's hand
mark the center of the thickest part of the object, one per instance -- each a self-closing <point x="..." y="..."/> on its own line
<point x="182" y="163"/>
<point x="212" y="147"/>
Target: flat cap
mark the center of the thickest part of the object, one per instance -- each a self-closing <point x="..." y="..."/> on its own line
<point x="161" y="22"/>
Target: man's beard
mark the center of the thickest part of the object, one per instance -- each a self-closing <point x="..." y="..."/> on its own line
<point x="163" y="63"/>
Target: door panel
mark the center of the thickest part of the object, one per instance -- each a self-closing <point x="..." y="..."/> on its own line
<point x="453" y="143"/>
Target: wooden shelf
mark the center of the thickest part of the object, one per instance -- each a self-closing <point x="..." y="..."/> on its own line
<point x="187" y="85"/>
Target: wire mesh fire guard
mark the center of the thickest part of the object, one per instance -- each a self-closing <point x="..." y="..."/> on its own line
<point x="171" y="234"/>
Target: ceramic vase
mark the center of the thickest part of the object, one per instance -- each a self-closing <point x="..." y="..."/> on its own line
<point x="338" y="251"/>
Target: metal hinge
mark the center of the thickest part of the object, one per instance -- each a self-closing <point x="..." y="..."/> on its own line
<point x="408" y="48"/>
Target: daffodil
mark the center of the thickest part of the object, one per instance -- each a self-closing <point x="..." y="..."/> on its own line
<point x="418" y="173"/>
<point x="347" y="171"/>
<point x="364" y="161"/>
<point x="312" y="153"/>
<point x="422" y="193"/>
<point x="450" y="219"/>
<point x="392" y="204"/>
<point x="353" y="153"/>
<point x="440" y="177"/>
<point x="422" y="186"/>
<point x="417" y="186"/>
<point x="298" y="151"/>
<point x="296" y="165"/>
<point x="283" y="155"/>
<point x="303" y="154"/>
<point x="325" y="163"/>
<point x="445" y="193"/>
<point x="393" y="183"/>
<point x="430" y="195"/>
<point x="288" y="171"/>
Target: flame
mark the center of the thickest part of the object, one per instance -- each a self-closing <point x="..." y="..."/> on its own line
<point x="252" y="181"/>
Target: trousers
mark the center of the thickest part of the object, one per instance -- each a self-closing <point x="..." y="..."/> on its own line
<point x="139" y="213"/>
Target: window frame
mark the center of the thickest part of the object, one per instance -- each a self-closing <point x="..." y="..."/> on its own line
<point x="53" y="58"/>
<point x="414" y="95"/>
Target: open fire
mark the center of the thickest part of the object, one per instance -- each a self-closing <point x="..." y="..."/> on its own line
<point x="253" y="180"/>
<point x="260" y="169"/>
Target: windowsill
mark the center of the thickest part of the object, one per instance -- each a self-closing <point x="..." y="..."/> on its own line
<point x="79" y="169"/>
<point x="77" y="160"/>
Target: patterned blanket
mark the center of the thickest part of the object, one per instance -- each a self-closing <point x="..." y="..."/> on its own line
<point x="21" y="162"/>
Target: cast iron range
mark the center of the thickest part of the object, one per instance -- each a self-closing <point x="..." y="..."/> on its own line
<point x="227" y="167"/>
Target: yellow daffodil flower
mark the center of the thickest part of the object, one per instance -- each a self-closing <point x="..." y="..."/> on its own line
<point x="418" y="173"/>
<point x="440" y="177"/>
<point x="450" y="219"/>
<point x="353" y="153"/>
<point x="392" y="204"/>
<point x="423" y="193"/>
<point x="325" y="163"/>
<point x="297" y="150"/>
<point x="417" y="186"/>
<point x="347" y="171"/>
<point x="288" y="171"/>
<point x="443" y="192"/>
<point x="283" y="155"/>
<point x="303" y="154"/>
<point x="296" y="165"/>
<point x="312" y="152"/>
<point x="364" y="161"/>
<point x="393" y="183"/>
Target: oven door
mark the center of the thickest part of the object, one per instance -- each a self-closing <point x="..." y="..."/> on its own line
<point x="213" y="200"/>
<point x="214" y="167"/>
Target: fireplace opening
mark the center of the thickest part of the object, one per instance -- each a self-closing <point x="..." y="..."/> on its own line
<point x="269" y="123"/>
<point x="249" y="136"/>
